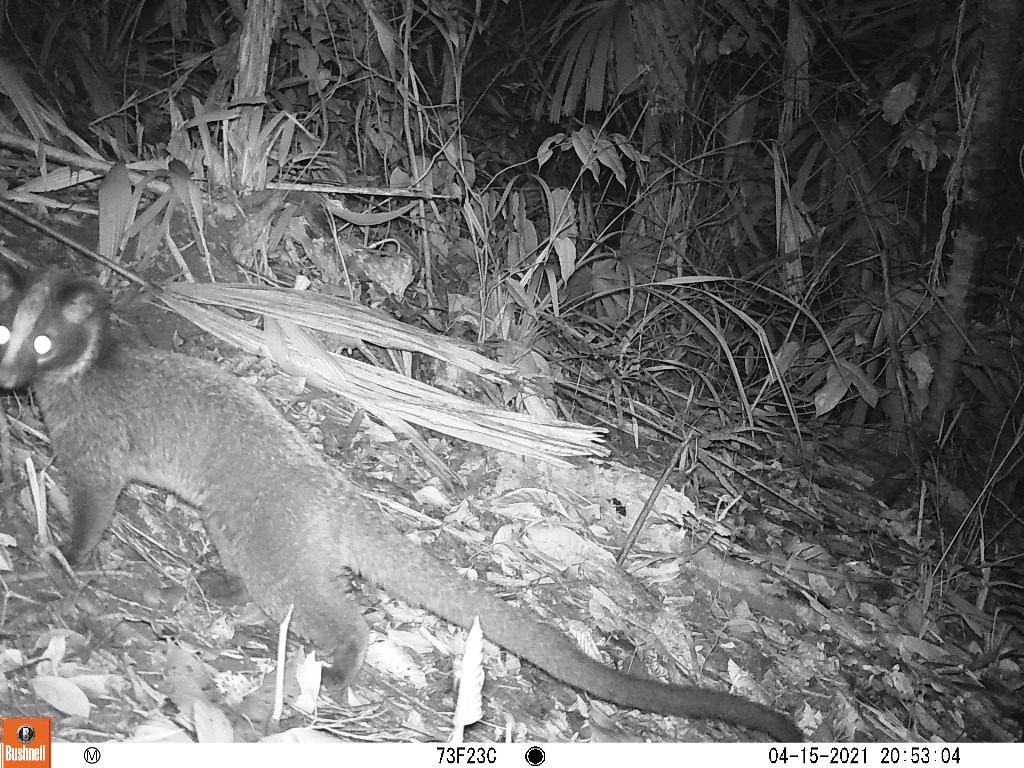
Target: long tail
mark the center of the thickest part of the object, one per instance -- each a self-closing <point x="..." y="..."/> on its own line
<point x="413" y="574"/>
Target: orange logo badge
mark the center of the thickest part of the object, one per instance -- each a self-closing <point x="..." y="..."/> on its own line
<point x="26" y="742"/>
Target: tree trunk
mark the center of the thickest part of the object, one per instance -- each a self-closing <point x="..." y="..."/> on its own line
<point x="981" y="164"/>
<point x="258" y="32"/>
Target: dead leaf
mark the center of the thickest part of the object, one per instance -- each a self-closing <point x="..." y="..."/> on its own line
<point x="61" y="694"/>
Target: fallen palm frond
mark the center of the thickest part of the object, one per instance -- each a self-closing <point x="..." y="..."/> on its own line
<point x="385" y="394"/>
<point x="339" y="317"/>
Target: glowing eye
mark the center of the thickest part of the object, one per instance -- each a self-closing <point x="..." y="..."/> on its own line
<point x="5" y="334"/>
<point x="42" y="345"/>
